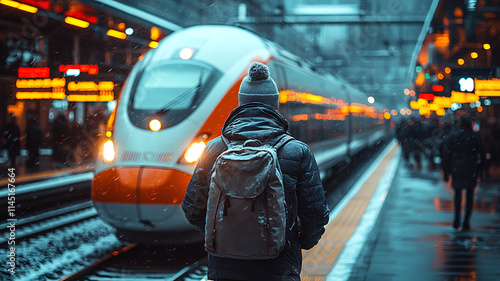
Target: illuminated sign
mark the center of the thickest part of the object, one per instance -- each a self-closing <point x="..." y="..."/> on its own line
<point x="437" y="88"/>
<point x="56" y="94"/>
<point x="466" y="84"/>
<point x="426" y="96"/>
<point x="444" y="102"/>
<point x="488" y="87"/>
<point x="41" y="89"/>
<point x="460" y="97"/>
<point x="91" y="69"/>
<point x="81" y="91"/>
<point x="89" y="86"/>
<point x="40" y="83"/>
<point x="90" y="91"/>
<point x="103" y="96"/>
<point x="56" y="88"/>
<point x="33" y="72"/>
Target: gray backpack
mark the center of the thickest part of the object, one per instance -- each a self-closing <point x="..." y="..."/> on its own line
<point x="246" y="210"/>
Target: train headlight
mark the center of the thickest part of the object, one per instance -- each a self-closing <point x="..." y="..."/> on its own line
<point x="186" y="53"/>
<point x="108" y="151"/>
<point x="155" y="125"/>
<point x="194" y="152"/>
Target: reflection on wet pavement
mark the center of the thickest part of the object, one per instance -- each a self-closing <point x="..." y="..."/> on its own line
<point x="415" y="239"/>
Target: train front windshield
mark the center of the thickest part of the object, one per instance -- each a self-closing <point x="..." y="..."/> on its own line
<point x="171" y="91"/>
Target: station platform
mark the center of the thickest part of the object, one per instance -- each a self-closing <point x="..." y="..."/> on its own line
<point x="47" y="168"/>
<point x="396" y="224"/>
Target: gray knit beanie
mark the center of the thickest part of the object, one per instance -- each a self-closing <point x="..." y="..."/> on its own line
<point x="258" y="86"/>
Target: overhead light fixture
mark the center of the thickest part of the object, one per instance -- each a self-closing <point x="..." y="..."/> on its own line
<point x="129" y="31"/>
<point x="72" y="72"/>
<point x="20" y="6"/>
<point x="76" y="22"/>
<point x="153" y="44"/>
<point x="155" y="33"/>
<point x="116" y="34"/>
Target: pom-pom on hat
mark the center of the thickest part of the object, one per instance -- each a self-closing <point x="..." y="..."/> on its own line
<point x="258" y="86"/>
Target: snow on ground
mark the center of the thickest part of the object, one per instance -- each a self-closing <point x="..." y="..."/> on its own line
<point x="62" y="252"/>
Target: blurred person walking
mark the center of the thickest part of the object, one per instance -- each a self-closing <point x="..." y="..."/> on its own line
<point x="402" y="135"/>
<point x="59" y="138"/>
<point x="255" y="120"/>
<point x="33" y="143"/>
<point x="462" y="160"/>
<point x="12" y="135"/>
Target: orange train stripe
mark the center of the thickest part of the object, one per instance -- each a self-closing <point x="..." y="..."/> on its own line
<point x="158" y="186"/>
<point x="163" y="186"/>
<point x="116" y="185"/>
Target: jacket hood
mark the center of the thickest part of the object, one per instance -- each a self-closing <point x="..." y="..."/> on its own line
<point x="254" y="120"/>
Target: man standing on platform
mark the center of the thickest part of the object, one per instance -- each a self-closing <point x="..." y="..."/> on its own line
<point x="255" y="122"/>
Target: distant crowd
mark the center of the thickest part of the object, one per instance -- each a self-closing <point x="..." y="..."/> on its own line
<point x="70" y="141"/>
<point x="423" y="140"/>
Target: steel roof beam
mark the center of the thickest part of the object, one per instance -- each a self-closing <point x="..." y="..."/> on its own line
<point x="124" y="10"/>
<point x="345" y="20"/>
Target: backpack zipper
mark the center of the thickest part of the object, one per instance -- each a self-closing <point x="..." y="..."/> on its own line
<point x="267" y="224"/>
<point x="214" y="233"/>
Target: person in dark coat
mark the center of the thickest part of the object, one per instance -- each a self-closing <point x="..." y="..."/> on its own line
<point x="401" y="132"/>
<point x="257" y="117"/>
<point x="12" y="135"/>
<point x="33" y="142"/>
<point x="463" y="154"/>
<point x="59" y="138"/>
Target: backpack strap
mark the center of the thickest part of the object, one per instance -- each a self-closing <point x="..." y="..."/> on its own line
<point x="282" y="141"/>
<point x="226" y="141"/>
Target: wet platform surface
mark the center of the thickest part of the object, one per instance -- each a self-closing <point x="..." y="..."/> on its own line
<point x="413" y="238"/>
<point x="47" y="168"/>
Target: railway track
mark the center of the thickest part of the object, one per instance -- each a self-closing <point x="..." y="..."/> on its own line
<point x="33" y="226"/>
<point x="134" y="263"/>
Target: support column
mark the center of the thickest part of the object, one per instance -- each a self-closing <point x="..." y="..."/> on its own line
<point x="76" y="50"/>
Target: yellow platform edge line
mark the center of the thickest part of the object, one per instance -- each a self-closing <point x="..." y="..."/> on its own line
<point x="362" y="198"/>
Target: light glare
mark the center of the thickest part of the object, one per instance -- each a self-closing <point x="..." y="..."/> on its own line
<point x="108" y="151"/>
<point x="186" y="53"/>
<point x="194" y="152"/>
<point x="155" y="125"/>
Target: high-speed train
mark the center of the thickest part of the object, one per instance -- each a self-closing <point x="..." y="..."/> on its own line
<point x="177" y="98"/>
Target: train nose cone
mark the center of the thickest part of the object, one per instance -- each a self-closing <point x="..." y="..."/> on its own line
<point x="140" y="185"/>
<point x="138" y="199"/>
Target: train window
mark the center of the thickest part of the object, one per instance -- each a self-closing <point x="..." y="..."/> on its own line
<point x="170" y="91"/>
<point x="169" y="85"/>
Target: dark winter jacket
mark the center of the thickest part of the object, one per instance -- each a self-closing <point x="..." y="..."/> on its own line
<point x="462" y="157"/>
<point x="304" y="195"/>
